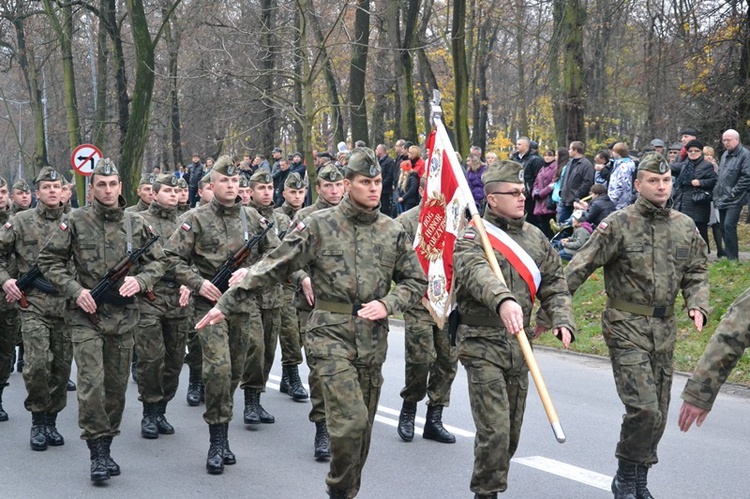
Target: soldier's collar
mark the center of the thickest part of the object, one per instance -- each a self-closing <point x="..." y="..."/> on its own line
<point x="162" y="211"/>
<point x="356" y="213"/>
<point x="651" y="210"/>
<point x="322" y="204"/>
<point x="50" y="213"/>
<point x="266" y="211"/>
<point x="506" y="224"/>
<point x="110" y="213"/>
<point x="220" y="209"/>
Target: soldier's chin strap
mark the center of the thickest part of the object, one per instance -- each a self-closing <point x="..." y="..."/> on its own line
<point x="243" y="219"/>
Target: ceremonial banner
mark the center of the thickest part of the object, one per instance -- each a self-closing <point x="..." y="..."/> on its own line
<point x="441" y="219"/>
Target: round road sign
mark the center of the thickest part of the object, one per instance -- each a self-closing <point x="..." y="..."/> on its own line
<point x="84" y="158"/>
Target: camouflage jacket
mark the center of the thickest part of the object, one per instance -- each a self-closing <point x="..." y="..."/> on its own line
<point x="183" y="208"/>
<point x="15" y="209"/>
<point x="410" y="221"/>
<point x="648" y="254"/>
<point x="479" y="292"/>
<point x="10" y="264"/>
<point x="270" y="297"/>
<point x="21" y="240"/>
<point x="167" y="291"/>
<point x="139" y="207"/>
<point x="303" y="213"/>
<point x="352" y="256"/>
<point x="723" y="351"/>
<point x="95" y="239"/>
<point x="287" y="210"/>
<point x="207" y="236"/>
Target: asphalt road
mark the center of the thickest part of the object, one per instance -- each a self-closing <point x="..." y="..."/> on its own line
<point x="276" y="460"/>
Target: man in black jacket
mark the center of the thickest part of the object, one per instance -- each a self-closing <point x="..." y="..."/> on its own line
<point x="578" y="179"/>
<point x="730" y="193"/>
<point x="532" y="163"/>
<point x="194" y="173"/>
<point x="387" y="167"/>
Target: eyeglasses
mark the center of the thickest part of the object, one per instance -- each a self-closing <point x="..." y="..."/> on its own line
<point x="515" y="194"/>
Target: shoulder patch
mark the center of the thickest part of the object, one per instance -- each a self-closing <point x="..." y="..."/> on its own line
<point x="8" y="225"/>
<point x="603" y="226"/>
<point x="185" y="226"/>
<point x="301" y="226"/>
<point x="63" y="226"/>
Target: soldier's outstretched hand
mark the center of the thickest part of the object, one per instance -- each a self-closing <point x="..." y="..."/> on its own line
<point x="86" y="302"/>
<point x="690" y="413"/>
<point x="209" y="291"/>
<point x="511" y="314"/>
<point x="237" y="276"/>
<point x="214" y="316"/>
<point x="12" y="293"/>
<point x="130" y="287"/>
<point x="373" y="311"/>
<point x="563" y="334"/>
<point x="697" y="317"/>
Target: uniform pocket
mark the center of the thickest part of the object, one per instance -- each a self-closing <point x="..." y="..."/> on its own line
<point x="634" y="378"/>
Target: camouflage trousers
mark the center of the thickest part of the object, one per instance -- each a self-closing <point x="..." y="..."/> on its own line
<point x="318" y="410"/>
<point x="431" y="363"/>
<point x="261" y="350"/>
<point x="48" y="356"/>
<point x="8" y="339"/>
<point x="103" y="354"/>
<point x="290" y="338"/>
<point x="498" y="384"/>
<point x="642" y="367"/>
<point x="224" y="348"/>
<point x="160" y="350"/>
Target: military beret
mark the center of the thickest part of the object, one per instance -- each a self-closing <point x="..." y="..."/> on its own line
<point x="503" y="171"/>
<point x="225" y="166"/>
<point x="330" y="173"/>
<point x="147" y="179"/>
<point x="206" y="178"/>
<point x="655" y="163"/>
<point x="64" y="180"/>
<point x="244" y="182"/>
<point x="21" y="185"/>
<point x="105" y="167"/>
<point x="166" y="179"/>
<point x="294" y="180"/>
<point x="48" y="173"/>
<point x="182" y="183"/>
<point x="3" y="182"/>
<point x="364" y="162"/>
<point x="261" y="177"/>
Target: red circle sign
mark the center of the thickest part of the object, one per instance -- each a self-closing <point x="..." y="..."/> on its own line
<point x="84" y="158"/>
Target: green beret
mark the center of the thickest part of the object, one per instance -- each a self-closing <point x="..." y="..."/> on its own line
<point x="294" y="181"/>
<point x="21" y="185"/>
<point x="364" y="162"/>
<point x="206" y="179"/>
<point x="225" y="166"/>
<point x="182" y="183"/>
<point x="48" y="173"/>
<point x="166" y="179"/>
<point x="64" y="180"/>
<point x="503" y="171"/>
<point x="3" y="182"/>
<point x="261" y="177"/>
<point x="655" y="163"/>
<point x="244" y="183"/>
<point x="330" y="173"/>
<point x="105" y="167"/>
<point x="147" y="179"/>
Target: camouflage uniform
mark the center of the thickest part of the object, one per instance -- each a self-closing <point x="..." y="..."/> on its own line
<point x="48" y="350"/>
<point x="9" y="323"/>
<point x="723" y="351"/>
<point x="162" y="333"/>
<point x="139" y="207"/>
<point x="431" y="362"/>
<point x="356" y="266"/>
<point x="495" y="366"/>
<point x="20" y="185"/>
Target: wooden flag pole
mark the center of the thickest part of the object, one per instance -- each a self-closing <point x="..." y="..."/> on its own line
<point x="528" y="353"/>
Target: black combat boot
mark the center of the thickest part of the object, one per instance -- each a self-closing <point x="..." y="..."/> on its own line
<point x="284" y="385"/>
<point x="337" y="493"/>
<point x="215" y="459"/>
<point x="229" y="457"/>
<point x="486" y="496"/>
<point x="38" y="440"/>
<point x="53" y="436"/>
<point x="265" y="416"/>
<point x="195" y="389"/>
<point x="641" y="482"/>
<point x="3" y="414"/>
<point x="20" y="363"/>
<point x="71" y="387"/>
<point x="623" y="484"/>
<point x="99" y="471"/>
<point x="112" y="466"/>
<point x="161" y="419"/>
<point x="322" y="442"/>
<point x="149" y="426"/>
<point x="296" y="390"/>
<point x="406" y="421"/>
<point x="252" y="397"/>
<point x="433" y="427"/>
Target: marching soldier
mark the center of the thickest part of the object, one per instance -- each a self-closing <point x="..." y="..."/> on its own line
<point x="207" y="236"/>
<point x="492" y="311"/>
<point x="145" y="193"/>
<point x="8" y="311"/>
<point x="245" y="192"/>
<point x="351" y="277"/>
<point x="97" y="238"/>
<point x="21" y="196"/>
<point x="183" y="194"/>
<point x="45" y="334"/>
<point x="162" y="332"/>
<point x="649" y="253"/>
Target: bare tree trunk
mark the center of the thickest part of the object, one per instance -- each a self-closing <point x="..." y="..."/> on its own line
<point x="523" y="117"/>
<point x="267" y="63"/>
<point x="743" y="78"/>
<point x="358" y="71"/>
<point x="299" y="111"/>
<point x="461" y="78"/>
<point x="173" y="47"/>
<point x="99" y="132"/>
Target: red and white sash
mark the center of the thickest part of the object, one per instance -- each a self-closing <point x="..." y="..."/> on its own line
<point x="516" y="256"/>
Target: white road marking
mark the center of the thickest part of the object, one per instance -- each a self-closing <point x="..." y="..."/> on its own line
<point x="566" y="470"/>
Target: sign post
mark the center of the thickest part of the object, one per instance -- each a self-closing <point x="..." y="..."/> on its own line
<point x="84" y="160"/>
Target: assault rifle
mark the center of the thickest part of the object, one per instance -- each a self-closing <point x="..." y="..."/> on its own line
<point x="33" y="278"/>
<point x="104" y="292"/>
<point x="221" y="279"/>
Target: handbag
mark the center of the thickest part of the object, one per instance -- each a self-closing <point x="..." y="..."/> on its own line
<point x="701" y="196"/>
<point x="551" y="205"/>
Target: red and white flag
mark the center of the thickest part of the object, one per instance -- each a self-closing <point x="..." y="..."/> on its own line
<point x="441" y="219"/>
